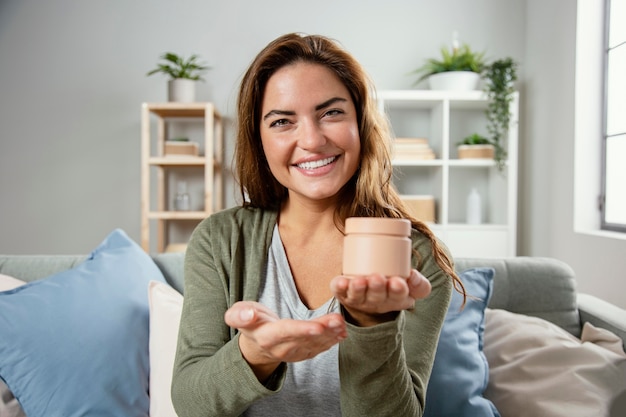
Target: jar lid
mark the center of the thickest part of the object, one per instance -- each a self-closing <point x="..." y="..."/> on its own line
<point x="378" y="225"/>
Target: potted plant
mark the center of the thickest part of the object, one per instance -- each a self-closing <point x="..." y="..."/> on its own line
<point x="183" y="73"/>
<point x="499" y="77"/>
<point x="475" y="146"/>
<point x="458" y="69"/>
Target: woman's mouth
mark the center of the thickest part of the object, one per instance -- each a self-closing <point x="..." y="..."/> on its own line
<point x="317" y="164"/>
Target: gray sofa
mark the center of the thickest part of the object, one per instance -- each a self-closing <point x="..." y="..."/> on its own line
<point x="531" y="286"/>
<point x="541" y="287"/>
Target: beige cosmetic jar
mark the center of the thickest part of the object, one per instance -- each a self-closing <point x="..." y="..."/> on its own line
<point x="377" y="245"/>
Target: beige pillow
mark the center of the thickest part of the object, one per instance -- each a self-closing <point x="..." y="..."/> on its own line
<point x="166" y="305"/>
<point x="8" y="283"/>
<point x="538" y="369"/>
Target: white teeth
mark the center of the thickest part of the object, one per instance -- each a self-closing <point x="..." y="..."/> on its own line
<point x="316" y="164"/>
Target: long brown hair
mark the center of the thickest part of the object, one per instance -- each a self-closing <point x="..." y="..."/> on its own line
<point x="370" y="192"/>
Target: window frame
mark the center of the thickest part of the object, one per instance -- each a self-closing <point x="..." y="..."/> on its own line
<point x="604" y="224"/>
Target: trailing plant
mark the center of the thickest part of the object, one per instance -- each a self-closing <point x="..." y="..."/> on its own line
<point x="455" y="59"/>
<point x="499" y="77"/>
<point x="178" y="67"/>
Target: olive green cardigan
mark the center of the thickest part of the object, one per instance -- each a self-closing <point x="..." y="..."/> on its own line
<point x="384" y="370"/>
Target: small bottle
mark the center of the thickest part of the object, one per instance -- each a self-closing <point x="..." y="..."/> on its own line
<point x="473" y="208"/>
<point x="181" y="200"/>
<point x="377" y="245"/>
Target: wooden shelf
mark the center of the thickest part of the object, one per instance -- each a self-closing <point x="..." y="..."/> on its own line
<point x="177" y="215"/>
<point x="167" y="110"/>
<point x="177" y="160"/>
<point x="157" y="169"/>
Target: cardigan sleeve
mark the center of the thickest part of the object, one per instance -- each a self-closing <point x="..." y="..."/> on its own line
<point x="384" y="369"/>
<point x="210" y="376"/>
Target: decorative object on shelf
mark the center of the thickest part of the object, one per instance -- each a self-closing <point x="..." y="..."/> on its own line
<point x="474" y="210"/>
<point x="475" y="146"/>
<point x="458" y="69"/>
<point x="183" y="73"/>
<point x="422" y="207"/>
<point x="412" y="149"/>
<point x="182" y="201"/>
<point x="180" y="147"/>
<point x="499" y="77"/>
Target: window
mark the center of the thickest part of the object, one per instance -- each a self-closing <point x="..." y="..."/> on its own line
<point x="613" y="198"/>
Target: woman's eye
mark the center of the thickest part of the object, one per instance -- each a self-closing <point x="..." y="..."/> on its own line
<point x="279" y="122"/>
<point x="333" y="112"/>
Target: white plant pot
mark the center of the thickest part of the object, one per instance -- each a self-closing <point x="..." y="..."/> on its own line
<point x="454" y="81"/>
<point x="181" y="90"/>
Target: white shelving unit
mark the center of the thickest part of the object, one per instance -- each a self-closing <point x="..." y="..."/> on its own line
<point x="445" y="118"/>
<point x="159" y="172"/>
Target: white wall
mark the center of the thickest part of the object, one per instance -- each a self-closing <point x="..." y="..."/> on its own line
<point x="547" y="157"/>
<point x="72" y="79"/>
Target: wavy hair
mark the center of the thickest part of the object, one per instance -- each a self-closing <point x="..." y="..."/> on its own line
<point x="370" y="192"/>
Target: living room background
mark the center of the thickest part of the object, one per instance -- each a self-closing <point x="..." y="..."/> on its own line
<point x="73" y="77"/>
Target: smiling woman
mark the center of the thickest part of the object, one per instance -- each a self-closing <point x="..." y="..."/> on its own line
<point x="271" y="326"/>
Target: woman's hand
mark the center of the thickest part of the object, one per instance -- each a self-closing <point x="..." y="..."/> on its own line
<point x="375" y="299"/>
<point x="266" y="340"/>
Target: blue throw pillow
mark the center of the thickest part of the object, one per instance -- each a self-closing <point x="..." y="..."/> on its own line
<point x="76" y="343"/>
<point x="460" y="372"/>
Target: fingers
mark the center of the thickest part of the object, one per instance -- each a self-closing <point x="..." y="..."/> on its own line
<point x="419" y="286"/>
<point x="267" y="339"/>
<point x="245" y="314"/>
<point x="378" y="294"/>
<point x="295" y="340"/>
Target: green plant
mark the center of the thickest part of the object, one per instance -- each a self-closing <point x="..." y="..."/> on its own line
<point x="474" y="139"/>
<point x="177" y="67"/>
<point x="456" y="59"/>
<point x="499" y="77"/>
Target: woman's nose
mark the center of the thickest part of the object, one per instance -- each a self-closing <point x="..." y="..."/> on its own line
<point x="311" y="135"/>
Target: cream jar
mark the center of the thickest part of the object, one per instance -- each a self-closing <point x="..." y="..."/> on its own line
<point x="377" y="245"/>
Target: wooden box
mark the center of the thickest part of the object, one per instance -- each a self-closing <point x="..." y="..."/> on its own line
<point x="421" y="207"/>
<point x="180" y="148"/>
<point x="476" y="151"/>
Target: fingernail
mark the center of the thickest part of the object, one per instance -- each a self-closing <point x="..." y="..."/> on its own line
<point x="246" y="315"/>
<point x="333" y="324"/>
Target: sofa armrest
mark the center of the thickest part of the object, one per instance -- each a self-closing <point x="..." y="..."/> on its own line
<point x="603" y="314"/>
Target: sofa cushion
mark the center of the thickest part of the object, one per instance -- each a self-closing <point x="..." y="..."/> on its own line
<point x="76" y="343"/>
<point x="535" y="286"/>
<point x="539" y="369"/>
<point x="460" y="372"/>
<point x="166" y="306"/>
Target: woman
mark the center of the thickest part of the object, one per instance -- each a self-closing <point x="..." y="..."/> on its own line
<point x="261" y="333"/>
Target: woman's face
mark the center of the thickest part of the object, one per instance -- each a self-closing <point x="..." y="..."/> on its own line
<point x="309" y="131"/>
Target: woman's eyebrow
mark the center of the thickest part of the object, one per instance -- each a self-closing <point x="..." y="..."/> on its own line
<point x="320" y="106"/>
<point x="279" y="113"/>
<point x="329" y="102"/>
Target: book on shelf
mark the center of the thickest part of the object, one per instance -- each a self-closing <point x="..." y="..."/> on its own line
<point x="412" y="148"/>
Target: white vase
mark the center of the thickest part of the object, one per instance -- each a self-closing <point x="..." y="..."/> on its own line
<point x="454" y="81"/>
<point x="474" y="209"/>
<point x="181" y="90"/>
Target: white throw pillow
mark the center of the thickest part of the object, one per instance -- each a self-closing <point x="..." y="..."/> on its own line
<point x="166" y="306"/>
<point x="538" y="369"/>
<point x="9" y="407"/>
<point x="8" y="283"/>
